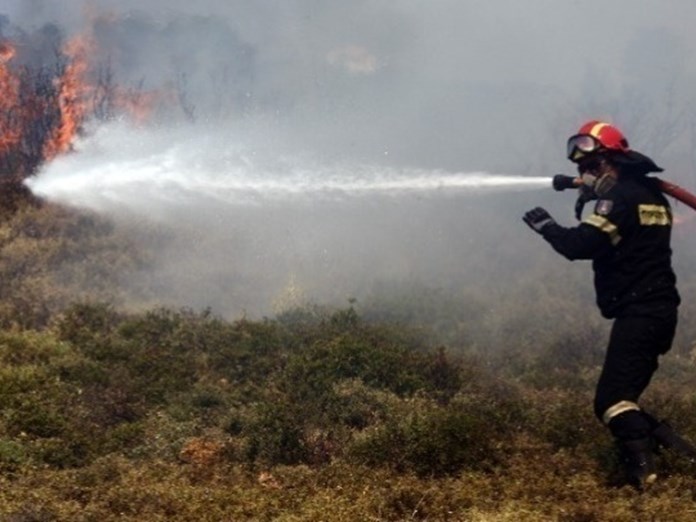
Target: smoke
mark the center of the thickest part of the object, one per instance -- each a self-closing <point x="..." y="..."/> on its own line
<point x="278" y="105"/>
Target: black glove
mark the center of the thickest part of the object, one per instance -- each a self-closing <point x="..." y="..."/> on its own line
<point x="537" y="219"/>
<point x="563" y="182"/>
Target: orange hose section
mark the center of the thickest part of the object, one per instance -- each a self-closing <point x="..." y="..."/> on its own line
<point x="678" y="193"/>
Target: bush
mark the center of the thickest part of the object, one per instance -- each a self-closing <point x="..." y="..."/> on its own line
<point x="275" y="434"/>
<point x="379" y="356"/>
<point x="430" y="439"/>
<point x="12" y="455"/>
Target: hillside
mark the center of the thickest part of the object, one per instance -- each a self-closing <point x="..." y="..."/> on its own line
<point x="366" y="412"/>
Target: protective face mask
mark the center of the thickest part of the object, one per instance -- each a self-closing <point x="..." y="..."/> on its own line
<point x="604" y="185"/>
<point x="589" y="180"/>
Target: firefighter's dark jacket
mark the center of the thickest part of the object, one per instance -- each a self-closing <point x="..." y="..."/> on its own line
<point x="627" y="237"/>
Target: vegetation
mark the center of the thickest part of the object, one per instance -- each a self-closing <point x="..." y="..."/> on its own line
<point x="360" y="413"/>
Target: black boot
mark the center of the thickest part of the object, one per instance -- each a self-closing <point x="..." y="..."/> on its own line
<point x="666" y="437"/>
<point x="632" y="431"/>
<point x="637" y="458"/>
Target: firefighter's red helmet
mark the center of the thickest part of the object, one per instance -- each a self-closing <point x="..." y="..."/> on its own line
<point x="596" y="136"/>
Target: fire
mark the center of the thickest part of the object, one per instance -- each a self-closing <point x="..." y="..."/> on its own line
<point x="73" y="97"/>
<point x="7" y="51"/>
<point x="10" y="132"/>
<point x="42" y="115"/>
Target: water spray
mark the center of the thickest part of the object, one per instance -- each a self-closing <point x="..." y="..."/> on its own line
<point x="239" y="187"/>
<point x="119" y="169"/>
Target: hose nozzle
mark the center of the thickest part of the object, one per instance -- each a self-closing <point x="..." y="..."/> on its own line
<point x="562" y="182"/>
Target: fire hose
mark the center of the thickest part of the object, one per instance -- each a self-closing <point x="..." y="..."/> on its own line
<point x="562" y="182"/>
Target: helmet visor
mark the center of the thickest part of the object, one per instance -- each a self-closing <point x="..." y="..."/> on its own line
<point x="581" y="145"/>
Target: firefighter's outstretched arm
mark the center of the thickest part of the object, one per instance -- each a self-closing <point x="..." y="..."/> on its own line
<point x="586" y="241"/>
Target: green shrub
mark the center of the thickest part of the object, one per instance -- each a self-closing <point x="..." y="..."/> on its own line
<point x="358" y="406"/>
<point x="90" y="328"/>
<point x="31" y="348"/>
<point x="565" y="419"/>
<point x="65" y="452"/>
<point x="36" y="418"/>
<point x="377" y="355"/>
<point x="430" y="439"/>
<point x="160" y="436"/>
<point x="246" y="352"/>
<point x="12" y="455"/>
<point x="275" y="434"/>
<point x="122" y="438"/>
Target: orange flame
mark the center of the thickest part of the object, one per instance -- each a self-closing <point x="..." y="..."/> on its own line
<point x="38" y="123"/>
<point x="77" y="98"/>
<point x="73" y="97"/>
<point x="10" y="131"/>
<point x="7" y="51"/>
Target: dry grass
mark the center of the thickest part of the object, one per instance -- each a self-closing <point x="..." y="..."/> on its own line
<point x="535" y="485"/>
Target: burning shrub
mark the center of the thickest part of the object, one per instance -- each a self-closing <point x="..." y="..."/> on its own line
<point x="45" y="105"/>
<point x="41" y="109"/>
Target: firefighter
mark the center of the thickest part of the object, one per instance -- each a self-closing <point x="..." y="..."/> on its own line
<point x="627" y="237"/>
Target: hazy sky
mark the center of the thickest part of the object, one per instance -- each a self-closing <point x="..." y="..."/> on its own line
<point x="456" y="85"/>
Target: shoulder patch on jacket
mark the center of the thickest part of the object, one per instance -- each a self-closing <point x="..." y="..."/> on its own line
<point x="603" y="207"/>
<point x="654" y="215"/>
